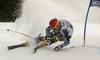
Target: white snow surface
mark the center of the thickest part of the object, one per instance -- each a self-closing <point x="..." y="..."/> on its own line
<point x="35" y="18"/>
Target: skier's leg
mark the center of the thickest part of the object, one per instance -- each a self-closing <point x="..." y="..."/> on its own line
<point x="41" y="38"/>
<point x="40" y="46"/>
<point x="46" y="43"/>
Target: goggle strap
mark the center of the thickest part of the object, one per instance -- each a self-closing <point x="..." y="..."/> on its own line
<point x="56" y="23"/>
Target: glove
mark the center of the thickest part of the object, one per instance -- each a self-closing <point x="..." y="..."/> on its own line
<point x="48" y="42"/>
<point x="57" y="48"/>
<point x="38" y="39"/>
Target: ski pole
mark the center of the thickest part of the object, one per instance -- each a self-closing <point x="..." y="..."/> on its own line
<point x="20" y="33"/>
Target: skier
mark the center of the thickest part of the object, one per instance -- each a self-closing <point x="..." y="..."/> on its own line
<point x="58" y="30"/>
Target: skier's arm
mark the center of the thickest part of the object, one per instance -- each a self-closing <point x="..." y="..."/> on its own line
<point x="65" y="44"/>
<point x="48" y="31"/>
<point x="66" y="38"/>
<point x="61" y="46"/>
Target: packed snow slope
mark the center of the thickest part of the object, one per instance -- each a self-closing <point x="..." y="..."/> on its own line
<point x="74" y="51"/>
<point x="35" y="18"/>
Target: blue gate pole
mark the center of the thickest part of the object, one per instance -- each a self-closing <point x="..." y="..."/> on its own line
<point x="86" y="22"/>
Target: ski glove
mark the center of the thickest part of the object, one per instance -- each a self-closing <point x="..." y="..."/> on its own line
<point x="57" y="48"/>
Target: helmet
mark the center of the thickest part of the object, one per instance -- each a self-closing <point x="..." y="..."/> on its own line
<point x="54" y="24"/>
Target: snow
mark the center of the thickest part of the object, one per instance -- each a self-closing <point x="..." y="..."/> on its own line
<point x="34" y="20"/>
<point x="74" y="51"/>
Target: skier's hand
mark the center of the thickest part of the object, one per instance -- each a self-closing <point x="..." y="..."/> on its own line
<point x="48" y="42"/>
<point x="57" y="48"/>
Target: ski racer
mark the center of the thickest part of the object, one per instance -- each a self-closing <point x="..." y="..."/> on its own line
<point x="58" y="30"/>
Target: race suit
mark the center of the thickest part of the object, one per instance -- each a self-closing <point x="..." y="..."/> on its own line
<point x="64" y="34"/>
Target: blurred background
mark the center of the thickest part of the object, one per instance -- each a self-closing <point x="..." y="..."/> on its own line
<point x="75" y="11"/>
<point x="10" y="10"/>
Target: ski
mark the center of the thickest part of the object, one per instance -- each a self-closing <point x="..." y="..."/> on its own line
<point x="20" y="45"/>
<point x="17" y="46"/>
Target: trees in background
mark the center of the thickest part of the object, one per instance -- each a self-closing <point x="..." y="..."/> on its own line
<point x="10" y="10"/>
